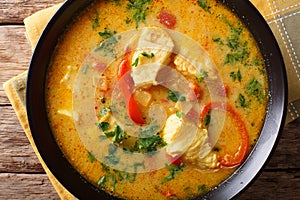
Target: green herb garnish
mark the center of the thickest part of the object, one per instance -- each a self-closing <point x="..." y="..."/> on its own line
<point x="207" y="119"/>
<point x="179" y="114"/>
<point x="107" y="33"/>
<point x="138" y="10"/>
<point x="104" y="126"/>
<point x="136" y="62"/>
<point x="148" y="55"/>
<point x="236" y="76"/>
<point x="175" y="96"/>
<point x="242" y="101"/>
<point x="91" y="156"/>
<point x="202" y="188"/>
<point x="173" y="169"/>
<point x="204" y="5"/>
<point x="117" y="134"/>
<point x="202" y="76"/>
<point x="254" y="88"/>
<point x="238" y="48"/>
<point x="218" y="41"/>
<point x="108" y="45"/>
<point x="149" y="144"/>
<point x="94" y="18"/>
<point x="102" y="181"/>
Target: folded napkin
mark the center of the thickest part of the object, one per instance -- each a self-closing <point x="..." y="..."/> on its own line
<point x="282" y="16"/>
<point x="15" y="90"/>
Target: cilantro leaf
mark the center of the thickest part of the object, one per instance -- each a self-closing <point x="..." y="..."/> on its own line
<point x="173" y="170"/>
<point x="175" y="96"/>
<point x="149" y="144"/>
<point x="104" y="126"/>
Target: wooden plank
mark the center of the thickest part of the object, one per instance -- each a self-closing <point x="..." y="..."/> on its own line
<point x="26" y="186"/>
<point x="14" y="11"/>
<point x="15" y="53"/>
<point x="16" y="153"/>
<point x="287" y="152"/>
<point x="275" y="185"/>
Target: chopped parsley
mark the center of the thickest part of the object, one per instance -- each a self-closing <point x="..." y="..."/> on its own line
<point x="202" y="188"/>
<point x="102" y="181"/>
<point x="136" y="62"/>
<point x="94" y="18"/>
<point x="242" y="101"/>
<point x="255" y="88"/>
<point x="118" y="134"/>
<point x="91" y="157"/>
<point x="138" y="10"/>
<point x="175" y="96"/>
<point x="238" y="48"/>
<point x="107" y="33"/>
<point x="148" y="55"/>
<point x="218" y="41"/>
<point x="239" y="55"/>
<point x="236" y="76"/>
<point x="207" y="119"/>
<point x="204" y="4"/>
<point x="108" y="180"/>
<point x="179" y="114"/>
<point x="108" y="45"/>
<point x="173" y="169"/>
<point x="104" y="126"/>
<point x="202" y="76"/>
<point x="148" y="144"/>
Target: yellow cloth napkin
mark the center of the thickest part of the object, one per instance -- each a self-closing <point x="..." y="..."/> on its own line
<point x="282" y="16"/>
<point x="15" y="90"/>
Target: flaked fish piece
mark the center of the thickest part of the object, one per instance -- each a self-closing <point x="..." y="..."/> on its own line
<point x="154" y="48"/>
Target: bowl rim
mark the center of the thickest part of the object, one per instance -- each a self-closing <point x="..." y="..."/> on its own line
<point x="233" y="185"/>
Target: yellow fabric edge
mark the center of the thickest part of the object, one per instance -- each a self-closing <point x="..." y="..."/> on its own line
<point x="22" y="117"/>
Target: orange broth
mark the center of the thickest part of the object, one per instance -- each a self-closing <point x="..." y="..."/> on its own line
<point x="226" y="41"/>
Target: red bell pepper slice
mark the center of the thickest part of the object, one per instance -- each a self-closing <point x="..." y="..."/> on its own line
<point x="127" y="86"/>
<point x="229" y="160"/>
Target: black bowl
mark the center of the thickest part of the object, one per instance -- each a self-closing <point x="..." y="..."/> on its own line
<point x="232" y="186"/>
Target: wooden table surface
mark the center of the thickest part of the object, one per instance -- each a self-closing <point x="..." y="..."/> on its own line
<point x="22" y="176"/>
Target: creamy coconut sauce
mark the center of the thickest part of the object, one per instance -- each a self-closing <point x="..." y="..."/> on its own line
<point x="157" y="99"/>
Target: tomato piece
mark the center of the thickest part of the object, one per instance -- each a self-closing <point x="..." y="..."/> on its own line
<point x="223" y="91"/>
<point x="174" y="160"/>
<point x="196" y="92"/>
<point x="230" y="160"/>
<point x="127" y="86"/>
<point x="167" y="19"/>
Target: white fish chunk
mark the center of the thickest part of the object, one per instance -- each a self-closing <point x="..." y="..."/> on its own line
<point x="145" y="75"/>
<point x="178" y="135"/>
<point x="154" y="48"/>
<point x="153" y="41"/>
